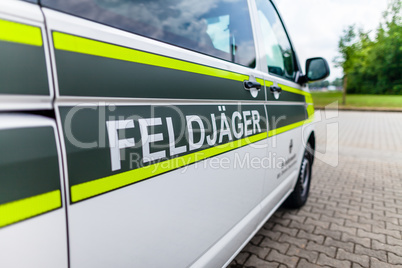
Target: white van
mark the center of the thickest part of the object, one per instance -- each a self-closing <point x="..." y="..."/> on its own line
<point x="147" y="133"/>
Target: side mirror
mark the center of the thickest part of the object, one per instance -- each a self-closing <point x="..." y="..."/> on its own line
<point x="316" y="69"/>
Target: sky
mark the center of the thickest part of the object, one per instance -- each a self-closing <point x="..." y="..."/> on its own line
<point x="315" y="26"/>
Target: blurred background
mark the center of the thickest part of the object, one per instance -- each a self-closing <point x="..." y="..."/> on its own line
<point x="353" y="215"/>
<point x="362" y="42"/>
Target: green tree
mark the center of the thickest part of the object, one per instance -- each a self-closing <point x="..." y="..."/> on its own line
<point x="390" y="47"/>
<point x="373" y="66"/>
<point x="347" y="48"/>
<point x="337" y="82"/>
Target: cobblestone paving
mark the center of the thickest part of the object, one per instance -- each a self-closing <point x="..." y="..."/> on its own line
<point x="353" y="217"/>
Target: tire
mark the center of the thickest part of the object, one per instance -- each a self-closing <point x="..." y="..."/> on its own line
<point x="298" y="197"/>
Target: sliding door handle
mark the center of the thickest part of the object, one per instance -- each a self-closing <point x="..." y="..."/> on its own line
<point x="251" y="84"/>
<point x="275" y="89"/>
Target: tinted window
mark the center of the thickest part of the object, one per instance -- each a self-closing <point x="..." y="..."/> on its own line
<point x="278" y="51"/>
<point x="218" y="28"/>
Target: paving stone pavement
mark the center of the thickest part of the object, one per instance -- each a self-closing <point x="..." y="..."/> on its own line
<point x="353" y="217"/>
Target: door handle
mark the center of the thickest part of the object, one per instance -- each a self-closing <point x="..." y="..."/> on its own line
<point x="275" y="89"/>
<point x="251" y="84"/>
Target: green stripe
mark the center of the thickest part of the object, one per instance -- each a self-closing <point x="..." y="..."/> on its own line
<point x="283" y="115"/>
<point x="307" y="95"/>
<point x="262" y="82"/>
<point x="310" y="111"/>
<point x="288" y="127"/>
<point x="82" y="45"/>
<point x="268" y="83"/>
<point x="23" y="69"/>
<point x="293" y="90"/>
<point x="28" y="163"/>
<point x="86" y="126"/>
<point x="92" y="188"/>
<point x="22" y="60"/>
<point x="20" y="33"/>
<point x="29" y="207"/>
<point x="87" y="75"/>
<point x="289" y="94"/>
<point x="309" y="98"/>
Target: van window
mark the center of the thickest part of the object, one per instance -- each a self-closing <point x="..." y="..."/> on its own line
<point x="278" y="50"/>
<point x="218" y="28"/>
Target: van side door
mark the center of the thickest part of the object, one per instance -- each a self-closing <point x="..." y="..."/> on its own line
<point x="33" y="225"/>
<point x="286" y="100"/>
<point x="158" y="129"/>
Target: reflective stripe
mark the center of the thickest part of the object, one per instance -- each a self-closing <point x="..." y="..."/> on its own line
<point x="82" y="45"/>
<point x="307" y="95"/>
<point x="29" y="207"/>
<point x="288" y="94"/>
<point x="261" y="81"/>
<point x="308" y="101"/>
<point x="294" y="90"/>
<point x="309" y="98"/>
<point x="92" y="188"/>
<point x="20" y="33"/>
<point x="268" y="83"/>
<point x="310" y="110"/>
<point x="288" y="127"/>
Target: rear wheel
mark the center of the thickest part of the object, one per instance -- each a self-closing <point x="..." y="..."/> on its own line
<point x="300" y="193"/>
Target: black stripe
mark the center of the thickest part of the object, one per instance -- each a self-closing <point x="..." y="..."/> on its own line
<point x="283" y="115"/>
<point x="285" y="96"/>
<point x="23" y="69"/>
<point x="88" y="75"/>
<point x="94" y="163"/>
<point x="28" y="163"/>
